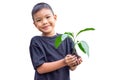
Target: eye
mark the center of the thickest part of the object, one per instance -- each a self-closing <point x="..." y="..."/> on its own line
<point x="48" y="17"/>
<point x="38" y="20"/>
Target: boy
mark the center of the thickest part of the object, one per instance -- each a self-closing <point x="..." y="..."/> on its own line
<point x="50" y="63"/>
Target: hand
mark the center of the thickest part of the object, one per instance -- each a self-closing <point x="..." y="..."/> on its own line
<point x="71" y="60"/>
<point x="79" y="60"/>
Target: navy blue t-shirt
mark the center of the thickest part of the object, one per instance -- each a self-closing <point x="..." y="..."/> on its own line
<point x="42" y="50"/>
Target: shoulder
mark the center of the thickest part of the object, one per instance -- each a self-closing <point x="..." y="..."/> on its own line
<point x="35" y="39"/>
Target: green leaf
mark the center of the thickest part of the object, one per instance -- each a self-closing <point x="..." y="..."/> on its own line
<point x="81" y="47"/>
<point x="64" y="36"/>
<point x="84" y="47"/>
<point x="70" y="34"/>
<point x="86" y="29"/>
<point x="59" y="39"/>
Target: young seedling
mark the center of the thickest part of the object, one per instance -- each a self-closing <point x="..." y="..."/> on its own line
<point x="83" y="46"/>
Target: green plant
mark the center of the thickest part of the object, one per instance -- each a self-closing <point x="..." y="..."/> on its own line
<point x="83" y="46"/>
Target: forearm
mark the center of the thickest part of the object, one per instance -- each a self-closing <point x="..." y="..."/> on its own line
<point x="51" y="66"/>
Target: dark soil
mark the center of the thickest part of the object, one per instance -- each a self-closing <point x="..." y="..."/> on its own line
<point x="74" y="52"/>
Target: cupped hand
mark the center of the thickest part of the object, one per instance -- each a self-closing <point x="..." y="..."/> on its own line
<point x="72" y="60"/>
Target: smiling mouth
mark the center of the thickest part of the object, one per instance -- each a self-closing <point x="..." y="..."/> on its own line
<point x="45" y="27"/>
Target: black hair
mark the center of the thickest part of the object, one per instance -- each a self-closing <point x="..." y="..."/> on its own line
<point x="40" y="6"/>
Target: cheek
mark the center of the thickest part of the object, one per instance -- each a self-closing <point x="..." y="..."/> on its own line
<point x="53" y="22"/>
<point x="37" y="24"/>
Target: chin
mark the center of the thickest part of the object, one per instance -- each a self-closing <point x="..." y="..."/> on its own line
<point x="46" y="32"/>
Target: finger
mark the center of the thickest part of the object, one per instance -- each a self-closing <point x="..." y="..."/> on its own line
<point x="71" y="58"/>
<point x="71" y="62"/>
<point x="79" y="61"/>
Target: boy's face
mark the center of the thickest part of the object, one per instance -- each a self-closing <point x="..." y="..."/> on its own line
<point x="44" y="20"/>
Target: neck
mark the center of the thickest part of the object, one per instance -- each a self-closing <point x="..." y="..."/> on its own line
<point x="49" y="34"/>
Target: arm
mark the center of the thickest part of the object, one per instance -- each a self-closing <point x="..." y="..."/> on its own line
<point x="51" y="66"/>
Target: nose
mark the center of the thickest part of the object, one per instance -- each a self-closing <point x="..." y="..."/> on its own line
<point x="44" y="21"/>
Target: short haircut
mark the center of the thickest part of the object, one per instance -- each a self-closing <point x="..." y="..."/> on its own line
<point x="40" y="6"/>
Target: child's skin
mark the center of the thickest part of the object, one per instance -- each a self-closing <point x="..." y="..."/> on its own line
<point x="72" y="61"/>
<point x="44" y="20"/>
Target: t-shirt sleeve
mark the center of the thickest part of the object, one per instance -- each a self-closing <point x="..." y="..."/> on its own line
<point x="37" y="56"/>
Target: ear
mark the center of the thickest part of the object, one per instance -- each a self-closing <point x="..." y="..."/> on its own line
<point x="34" y="24"/>
<point x="55" y="17"/>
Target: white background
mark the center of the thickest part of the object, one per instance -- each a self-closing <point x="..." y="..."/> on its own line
<point x="16" y="30"/>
